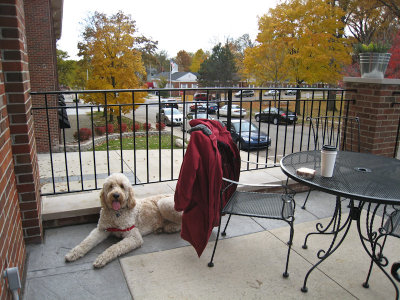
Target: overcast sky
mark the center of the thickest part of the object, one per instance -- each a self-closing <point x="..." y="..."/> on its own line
<point x="175" y="24"/>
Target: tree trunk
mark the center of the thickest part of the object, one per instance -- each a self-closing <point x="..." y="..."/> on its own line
<point x="330" y="105"/>
<point x="111" y="115"/>
<point x="298" y="97"/>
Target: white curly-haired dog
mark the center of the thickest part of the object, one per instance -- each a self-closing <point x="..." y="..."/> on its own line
<point x="128" y="218"/>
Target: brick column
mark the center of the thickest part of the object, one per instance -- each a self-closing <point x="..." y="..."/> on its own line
<point x="379" y="118"/>
<point x="17" y="87"/>
<point x="12" y="246"/>
<point x="41" y="42"/>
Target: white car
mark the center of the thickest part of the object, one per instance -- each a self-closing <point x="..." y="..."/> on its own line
<point x="236" y="111"/>
<point x="271" y="93"/>
<point x="170" y="116"/>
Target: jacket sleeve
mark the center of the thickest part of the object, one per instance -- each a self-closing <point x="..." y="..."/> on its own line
<point x="187" y="175"/>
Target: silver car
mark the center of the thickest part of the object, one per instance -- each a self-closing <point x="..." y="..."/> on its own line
<point x="236" y="111"/>
<point x="170" y="116"/>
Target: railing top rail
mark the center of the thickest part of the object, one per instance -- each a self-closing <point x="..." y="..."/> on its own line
<point x="186" y="89"/>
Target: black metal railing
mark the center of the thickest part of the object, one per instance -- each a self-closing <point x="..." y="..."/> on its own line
<point x="68" y="165"/>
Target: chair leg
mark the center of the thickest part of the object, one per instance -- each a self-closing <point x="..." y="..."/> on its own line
<point x="395" y="271"/>
<point x="286" y="274"/>
<point x="226" y="225"/>
<point x="211" y="263"/>
<point x="366" y="284"/>
<point x="305" y="201"/>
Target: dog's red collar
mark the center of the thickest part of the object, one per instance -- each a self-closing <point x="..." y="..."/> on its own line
<point x="117" y="229"/>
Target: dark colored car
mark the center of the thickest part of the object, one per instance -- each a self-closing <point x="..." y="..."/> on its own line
<point x="276" y="116"/>
<point x="169" y="103"/>
<point x="247" y="136"/>
<point x="290" y="92"/>
<point x="211" y="107"/>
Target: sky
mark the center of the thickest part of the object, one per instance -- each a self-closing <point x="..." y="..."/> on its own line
<point x="175" y="24"/>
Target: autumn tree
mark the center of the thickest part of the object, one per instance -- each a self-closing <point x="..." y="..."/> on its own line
<point x="308" y="31"/>
<point x="238" y="47"/>
<point x="265" y="63"/>
<point x="110" y="48"/>
<point x="71" y="73"/>
<point x="393" y="70"/>
<point x="147" y="48"/>
<point x="219" y="69"/>
<point x="197" y="60"/>
<point x="65" y="68"/>
<point x="393" y="6"/>
<point x="162" y="61"/>
<point x="369" y="20"/>
<point x="183" y="60"/>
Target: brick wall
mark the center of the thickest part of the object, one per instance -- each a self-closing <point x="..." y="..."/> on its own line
<point x="378" y="117"/>
<point x="43" y="69"/>
<point x="12" y="246"/>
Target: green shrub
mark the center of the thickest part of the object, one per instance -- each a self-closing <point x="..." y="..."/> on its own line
<point x="372" y="47"/>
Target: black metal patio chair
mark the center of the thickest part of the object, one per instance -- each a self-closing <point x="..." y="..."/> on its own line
<point x="390" y="226"/>
<point x="279" y="206"/>
<point x="339" y="131"/>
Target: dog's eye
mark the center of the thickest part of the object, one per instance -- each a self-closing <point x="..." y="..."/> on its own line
<point x="121" y="185"/>
<point x="111" y="186"/>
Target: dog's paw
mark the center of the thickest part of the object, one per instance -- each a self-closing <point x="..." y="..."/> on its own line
<point x="100" y="262"/>
<point x="72" y="255"/>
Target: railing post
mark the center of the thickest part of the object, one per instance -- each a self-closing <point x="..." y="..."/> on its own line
<point x="229" y="116"/>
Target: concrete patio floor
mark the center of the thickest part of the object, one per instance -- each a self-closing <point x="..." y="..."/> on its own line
<point x="339" y="277"/>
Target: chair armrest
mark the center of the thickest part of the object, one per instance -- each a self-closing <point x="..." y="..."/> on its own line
<point x="251" y="184"/>
<point x="253" y="163"/>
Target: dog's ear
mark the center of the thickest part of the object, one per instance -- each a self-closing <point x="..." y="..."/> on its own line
<point x="131" y="198"/>
<point x="102" y="199"/>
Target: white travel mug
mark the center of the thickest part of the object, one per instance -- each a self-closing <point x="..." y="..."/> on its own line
<point x="328" y="157"/>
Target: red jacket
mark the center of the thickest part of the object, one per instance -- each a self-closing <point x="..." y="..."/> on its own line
<point x="197" y="192"/>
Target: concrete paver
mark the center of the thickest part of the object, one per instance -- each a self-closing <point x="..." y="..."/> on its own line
<point x="49" y="277"/>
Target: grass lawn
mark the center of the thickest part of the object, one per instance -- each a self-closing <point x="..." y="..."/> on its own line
<point x="141" y="143"/>
<point x="98" y="120"/>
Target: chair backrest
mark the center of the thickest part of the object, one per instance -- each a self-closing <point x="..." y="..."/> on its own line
<point x="339" y="131"/>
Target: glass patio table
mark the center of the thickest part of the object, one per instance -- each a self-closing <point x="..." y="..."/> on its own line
<point x="372" y="180"/>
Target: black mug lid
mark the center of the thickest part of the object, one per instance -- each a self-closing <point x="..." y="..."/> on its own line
<point x="328" y="148"/>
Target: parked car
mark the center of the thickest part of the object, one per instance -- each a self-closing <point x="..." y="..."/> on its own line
<point x="170" y="116"/>
<point x="236" y="111"/>
<point x="247" y="135"/>
<point x="202" y="97"/>
<point x="271" y="93"/>
<point x="290" y="92"/>
<point x="274" y="115"/>
<point x="185" y="126"/>
<point x="211" y="107"/>
<point x="169" y="103"/>
<point x="245" y="93"/>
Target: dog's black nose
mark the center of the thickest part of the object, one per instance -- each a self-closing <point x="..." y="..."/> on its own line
<point x="116" y="195"/>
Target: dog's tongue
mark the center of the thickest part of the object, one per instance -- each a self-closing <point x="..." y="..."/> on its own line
<point x="116" y="205"/>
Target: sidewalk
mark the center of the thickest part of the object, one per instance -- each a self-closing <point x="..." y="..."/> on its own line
<point x="167" y="267"/>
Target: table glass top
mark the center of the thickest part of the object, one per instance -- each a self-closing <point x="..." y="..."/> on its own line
<point x="356" y="175"/>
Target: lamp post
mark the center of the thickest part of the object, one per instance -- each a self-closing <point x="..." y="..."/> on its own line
<point x="170" y="72"/>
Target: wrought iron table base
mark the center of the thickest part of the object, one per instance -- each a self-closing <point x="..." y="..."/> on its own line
<point x="372" y="238"/>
